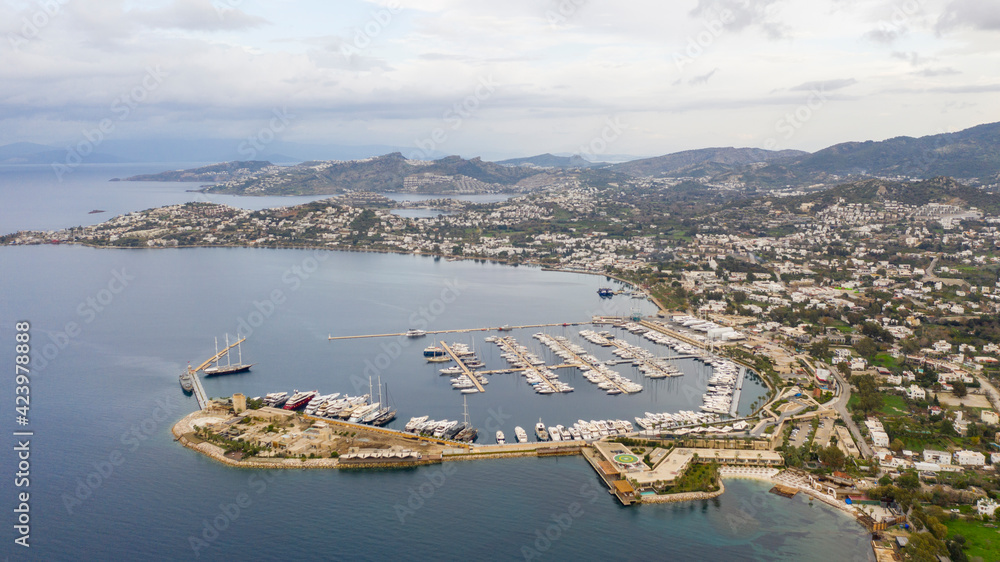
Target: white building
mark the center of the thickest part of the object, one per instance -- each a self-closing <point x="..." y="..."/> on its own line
<point x="937" y="457"/>
<point x="986" y="506"/>
<point x="970" y="458"/>
<point x="880" y="439"/>
<point x="916" y="393"/>
<point x="990" y="417"/>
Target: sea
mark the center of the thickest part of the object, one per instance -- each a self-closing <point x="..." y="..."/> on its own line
<point x="112" y="329"/>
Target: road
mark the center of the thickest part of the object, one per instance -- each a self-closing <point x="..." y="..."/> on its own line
<point x="929" y="276"/>
<point x="840" y="404"/>
<point x="991" y="391"/>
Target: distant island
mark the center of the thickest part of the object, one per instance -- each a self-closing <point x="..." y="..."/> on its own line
<point x="96" y="211"/>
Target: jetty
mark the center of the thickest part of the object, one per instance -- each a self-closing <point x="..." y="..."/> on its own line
<point x="510" y="346"/>
<point x="462" y="331"/>
<point x="465" y="369"/>
<point x="199" y="391"/>
<point x="582" y="362"/>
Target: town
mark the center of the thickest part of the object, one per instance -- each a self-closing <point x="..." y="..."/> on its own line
<point x="871" y="309"/>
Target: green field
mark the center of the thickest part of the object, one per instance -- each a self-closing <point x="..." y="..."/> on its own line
<point x="981" y="541"/>
<point x="887" y="361"/>
<point x="892" y="405"/>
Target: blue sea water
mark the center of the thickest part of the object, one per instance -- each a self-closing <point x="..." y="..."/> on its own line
<point x="111" y="329"/>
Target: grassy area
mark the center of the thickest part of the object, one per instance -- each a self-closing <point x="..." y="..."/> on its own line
<point x="887" y="361"/>
<point x="892" y="405"/>
<point x="697" y="478"/>
<point x="981" y="540"/>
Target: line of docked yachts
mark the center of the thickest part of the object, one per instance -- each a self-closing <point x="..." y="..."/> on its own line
<point x="441" y="429"/>
<point x="606" y="378"/>
<point x="542" y="379"/>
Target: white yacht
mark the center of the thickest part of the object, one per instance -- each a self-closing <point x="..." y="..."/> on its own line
<point x="522" y="436"/>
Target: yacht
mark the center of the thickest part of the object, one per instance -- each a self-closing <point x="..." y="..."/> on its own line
<point x="500" y="438"/>
<point x="522" y="436"/>
<point x="434" y="351"/>
<point x="414" y="333"/>
<point x="540" y="431"/>
<point x="414" y="421"/>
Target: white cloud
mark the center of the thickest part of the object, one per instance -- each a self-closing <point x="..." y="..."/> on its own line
<point x="556" y="80"/>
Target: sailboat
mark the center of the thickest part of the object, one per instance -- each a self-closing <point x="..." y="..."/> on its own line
<point x="387" y="413"/>
<point x="228" y="368"/>
<point x="467" y="433"/>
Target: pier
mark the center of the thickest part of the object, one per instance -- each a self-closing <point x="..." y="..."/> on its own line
<point x="511" y="346"/>
<point x="458" y="360"/>
<point x="668" y="332"/>
<point x="585" y="363"/>
<point x="199" y="391"/>
<point x="463" y="331"/>
<point x="739" y="389"/>
<point x="649" y="362"/>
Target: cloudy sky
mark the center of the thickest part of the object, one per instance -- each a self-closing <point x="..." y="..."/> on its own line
<point x="499" y="79"/>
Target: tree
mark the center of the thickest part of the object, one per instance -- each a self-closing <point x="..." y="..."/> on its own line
<point x="924" y="546"/>
<point x="832" y="456"/>
<point x="896" y="445"/>
<point x="869" y="398"/>
<point x="908" y="481"/>
<point x="958" y="388"/>
<point x="820" y="349"/>
<point x="844" y="368"/>
<point x="866" y="348"/>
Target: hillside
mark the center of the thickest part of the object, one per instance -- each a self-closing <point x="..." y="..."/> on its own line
<point x="705" y="161"/>
<point x="973" y="153"/>
<point x="388" y="173"/>
<point x="876" y="191"/>
<point x="551" y="161"/>
<point x="224" y="171"/>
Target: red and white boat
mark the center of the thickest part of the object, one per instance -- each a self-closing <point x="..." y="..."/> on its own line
<point x="300" y="399"/>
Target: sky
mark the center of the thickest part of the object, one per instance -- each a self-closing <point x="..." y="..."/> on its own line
<point x="499" y="79"/>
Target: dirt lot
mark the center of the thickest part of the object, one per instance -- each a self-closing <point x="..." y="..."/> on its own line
<point x="970" y="400"/>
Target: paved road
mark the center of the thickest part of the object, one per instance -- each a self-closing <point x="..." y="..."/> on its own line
<point x="991" y="391"/>
<point x="929" y="276"/>
<point x="840" y="404"/>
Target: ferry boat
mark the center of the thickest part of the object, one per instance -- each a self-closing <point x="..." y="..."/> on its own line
<point x="500" y="438"/>
<point x="414" y="333"/>
<point x="434" y="351"/>
<point x="606" y="292"/>
<point x="522" y="436"/>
